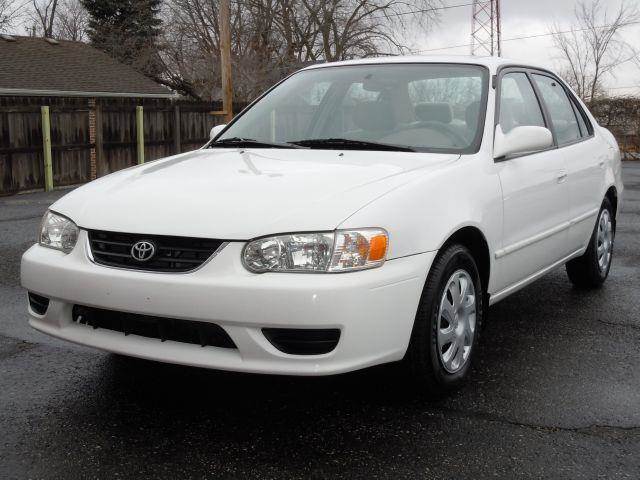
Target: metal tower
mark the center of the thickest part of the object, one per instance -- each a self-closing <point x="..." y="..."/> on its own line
<point x="485" y="28"/>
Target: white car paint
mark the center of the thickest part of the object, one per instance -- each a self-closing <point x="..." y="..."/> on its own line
<point x="235" y="191"/>
<point x="521" y="140"/>
<point x="535" y="211"/>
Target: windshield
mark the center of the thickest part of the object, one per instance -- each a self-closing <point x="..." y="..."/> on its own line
<point x="423" y="107"/>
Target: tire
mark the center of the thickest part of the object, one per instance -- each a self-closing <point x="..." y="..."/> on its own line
<point x="431" y="363"/>
<point x="592" y="268"/>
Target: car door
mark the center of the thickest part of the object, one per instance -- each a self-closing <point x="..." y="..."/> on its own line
<point x="534" y="189"/>
<point x="583" y="153"/>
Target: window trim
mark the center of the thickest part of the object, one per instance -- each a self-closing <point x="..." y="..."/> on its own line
<point x="529" y="71"/>
<point x="580" y="111"/>
<point x="472" y="149"/>
<point x="579" y="117"/>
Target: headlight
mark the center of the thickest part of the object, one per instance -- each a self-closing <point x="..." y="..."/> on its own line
<point x="340" y="251"/>
<point x="58" y="232"/>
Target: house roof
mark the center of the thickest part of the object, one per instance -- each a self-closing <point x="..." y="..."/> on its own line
<point x="37" y="66"/>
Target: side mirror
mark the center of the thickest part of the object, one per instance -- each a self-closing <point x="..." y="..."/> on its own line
<point x="521" y="140"/>
<point x="215" y="131"/>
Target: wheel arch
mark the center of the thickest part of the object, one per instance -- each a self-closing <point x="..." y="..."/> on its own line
<point x="612" y="196"/>
<point x="474" y="239"/>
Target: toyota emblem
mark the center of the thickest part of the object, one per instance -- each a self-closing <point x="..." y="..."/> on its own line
<point x="143" y="250"/>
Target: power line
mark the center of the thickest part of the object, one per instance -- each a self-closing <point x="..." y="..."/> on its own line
<point x="422" y="10"/>
<point x="525" y="37"/>
<point x="624" y="87"/>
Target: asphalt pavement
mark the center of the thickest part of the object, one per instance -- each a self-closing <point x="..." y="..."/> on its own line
<point x="555" y="394"/>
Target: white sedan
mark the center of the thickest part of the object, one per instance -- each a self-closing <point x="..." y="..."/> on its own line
<point x="357" y="213"/>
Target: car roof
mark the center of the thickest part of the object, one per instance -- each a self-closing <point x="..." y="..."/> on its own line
<point x="493" y="63"/>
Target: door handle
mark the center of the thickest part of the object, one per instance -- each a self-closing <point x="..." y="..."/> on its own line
<point x="562" y="176"/>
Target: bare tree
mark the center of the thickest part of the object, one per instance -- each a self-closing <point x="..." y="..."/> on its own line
<point x="593" y="48"/>
<point x="10" y="12"/>
<point x="62" y="19"/>
<point x="71" y="21"/>
<point x="190" y="46"/>
<point x="361" y="28"/>
<point x="273" y="37"/>
<point x="43" y="16"/>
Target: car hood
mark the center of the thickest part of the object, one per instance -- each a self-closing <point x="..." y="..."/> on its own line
<point x="238" y="194"/>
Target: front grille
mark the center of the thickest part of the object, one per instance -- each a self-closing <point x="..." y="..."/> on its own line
<point x="172" y="254"/>
<point x="184" y="331"/>
<point x="303" y="341"/>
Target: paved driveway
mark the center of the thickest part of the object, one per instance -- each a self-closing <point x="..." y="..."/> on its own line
<point x="555" y="394"/>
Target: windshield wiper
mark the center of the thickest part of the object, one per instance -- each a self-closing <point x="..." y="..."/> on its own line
<point x="250" y="142"/>
<point x="345" y="143"/>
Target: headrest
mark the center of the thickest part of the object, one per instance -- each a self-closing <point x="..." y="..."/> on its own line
<point x="373" y="116"/>
<point x="434" y="112"/>
<point x="471" y="115"/>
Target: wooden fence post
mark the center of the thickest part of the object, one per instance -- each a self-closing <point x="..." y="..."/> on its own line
<point x="93" y="153"/>
<point x="177" y="147"/>
<point x="46" y="146"/>
<point x="225" y="59"/>
<point x="98" y="140"/>
<point x="140" y="133"/>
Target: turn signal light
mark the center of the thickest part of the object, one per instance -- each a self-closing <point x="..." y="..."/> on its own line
<point x="378" y="248"/>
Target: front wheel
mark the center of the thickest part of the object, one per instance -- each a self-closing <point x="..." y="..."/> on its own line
<point x="446" y="328"/>
<point x="592" y="268"/>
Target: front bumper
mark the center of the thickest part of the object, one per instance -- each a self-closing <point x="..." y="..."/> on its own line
<point x="374" y="309"/>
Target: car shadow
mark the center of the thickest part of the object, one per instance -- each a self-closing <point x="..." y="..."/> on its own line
<point x="143" y="414"/>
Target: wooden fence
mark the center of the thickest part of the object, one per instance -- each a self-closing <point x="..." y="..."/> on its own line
<point x="91" y="138"/>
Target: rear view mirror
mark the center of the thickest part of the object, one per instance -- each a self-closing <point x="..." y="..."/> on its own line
<point x="215" y="131"/>
<point x="521" y="140"/>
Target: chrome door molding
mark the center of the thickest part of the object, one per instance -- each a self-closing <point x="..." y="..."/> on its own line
<point x="503" y="252"/>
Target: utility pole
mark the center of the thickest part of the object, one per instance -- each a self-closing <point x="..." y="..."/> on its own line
<point x="225" y="60"/>
<point x="486" y="35"/>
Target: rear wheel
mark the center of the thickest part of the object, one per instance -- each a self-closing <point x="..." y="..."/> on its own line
<point x="592" y="268"/>
<point x="445" y="333"/>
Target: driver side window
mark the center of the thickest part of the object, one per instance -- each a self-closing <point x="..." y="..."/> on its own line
<point x="518" y="103"/>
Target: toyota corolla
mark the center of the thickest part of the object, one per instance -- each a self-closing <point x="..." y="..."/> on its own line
<point x="357" y="213"/>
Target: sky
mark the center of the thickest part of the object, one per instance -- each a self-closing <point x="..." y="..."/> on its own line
<point x="522" y="18"/>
